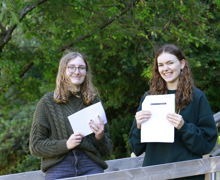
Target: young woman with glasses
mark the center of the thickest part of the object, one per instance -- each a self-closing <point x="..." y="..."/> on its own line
<point x="64" y="153"/>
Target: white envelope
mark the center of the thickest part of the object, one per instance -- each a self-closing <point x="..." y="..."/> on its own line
<point x="80" y="120"/>
<point x="158" y="128"/>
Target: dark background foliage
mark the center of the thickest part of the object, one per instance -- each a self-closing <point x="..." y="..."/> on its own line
<point x="119" y="39"/>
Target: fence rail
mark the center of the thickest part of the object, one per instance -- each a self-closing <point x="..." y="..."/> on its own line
<point x="217" y="118"/>
<point x="161" y="172"/>
<point x="130" y="168"/>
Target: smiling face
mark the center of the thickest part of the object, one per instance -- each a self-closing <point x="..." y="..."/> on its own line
<point x="169" y="67"/>
<point x="76" y="71"/>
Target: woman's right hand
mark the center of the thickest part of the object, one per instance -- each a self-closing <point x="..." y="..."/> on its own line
<point x="74" y="140"/>
<point x="142" y="116"/>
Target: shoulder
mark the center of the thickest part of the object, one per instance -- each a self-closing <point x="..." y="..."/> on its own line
<point x="200" y="99"/>
<point x="96" y="99"/>
<point x="144" y="95"/>
<point x="197" y="93"/>
<point x="43" y="102"/>
<point x="142" y="99"/>
<point x="46" y="98"/>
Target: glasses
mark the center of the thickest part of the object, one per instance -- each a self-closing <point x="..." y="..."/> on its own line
<point x="81" y="69"/>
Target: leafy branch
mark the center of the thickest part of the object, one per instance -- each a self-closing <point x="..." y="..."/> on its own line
<point x="6" y="34"/>
<point x="83" y="37"/>
<point x="101" y="27"/>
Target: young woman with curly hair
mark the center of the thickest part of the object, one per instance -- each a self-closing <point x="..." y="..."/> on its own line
<point x="195" y="130"/>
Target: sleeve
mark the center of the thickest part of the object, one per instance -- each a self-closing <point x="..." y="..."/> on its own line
<point x="40" y="143"/>
<point x="104" y="145"/>
<point x="134" y="136"/>
<point x="200" y="137"/>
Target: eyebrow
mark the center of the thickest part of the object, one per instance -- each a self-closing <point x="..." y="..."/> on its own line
<point x="76" y="66"/>
<point x="166" y="61"/>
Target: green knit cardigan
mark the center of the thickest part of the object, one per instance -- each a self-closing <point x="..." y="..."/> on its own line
<point x="51" y="129"/>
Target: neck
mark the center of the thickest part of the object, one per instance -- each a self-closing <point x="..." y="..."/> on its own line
<point x="172" y="85"/>
<point x="74" y="89"/>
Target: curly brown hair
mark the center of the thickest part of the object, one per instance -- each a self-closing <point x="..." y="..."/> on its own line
<point x="185" y="83"/>
<point x="62" y="91"/>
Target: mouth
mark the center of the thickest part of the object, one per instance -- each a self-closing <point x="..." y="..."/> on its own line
<point x="167" y="74"/>
<point x="77" y="77"/>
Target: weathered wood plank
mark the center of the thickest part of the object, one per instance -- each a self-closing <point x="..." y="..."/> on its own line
<point x="32" y="175"/>
<point x="159" y="172"/>
<point x="130" y="169"/>
<point x="124" y="163"/>
<point x="114" y="165"/>
<point x="217" y="118"/>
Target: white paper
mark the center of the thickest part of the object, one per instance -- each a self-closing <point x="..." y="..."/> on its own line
<point x="80" y="120"/>
<point x="158" y="128"/>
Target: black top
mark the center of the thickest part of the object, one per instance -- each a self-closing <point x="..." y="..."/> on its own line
<point x="196" y="138"/>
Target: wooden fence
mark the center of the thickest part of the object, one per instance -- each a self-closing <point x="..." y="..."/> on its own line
<point x="161" y="172"/>
<point x="130" y="168"/>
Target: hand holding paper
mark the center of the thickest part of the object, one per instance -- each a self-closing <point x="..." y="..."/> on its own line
<point x="176" y="120"/>
<point x="97" y="127"/>
<point x="74" y="140"/>
<point x="80" y="120"/>
<point x="141" y="117"/>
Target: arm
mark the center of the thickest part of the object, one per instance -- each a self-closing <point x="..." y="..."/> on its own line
<point x="101" y="138"/>
<point x="104" y="144"/>
<point x="135" y="140"/>
<point x="134" y="137"/>
<point x="40" y="143"/>
<point x="200" y="137"/>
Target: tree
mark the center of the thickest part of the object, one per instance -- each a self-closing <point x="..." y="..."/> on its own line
<point x="119" y="38"/>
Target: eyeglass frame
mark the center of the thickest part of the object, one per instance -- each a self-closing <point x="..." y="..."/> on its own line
<point x="81" y="69"/>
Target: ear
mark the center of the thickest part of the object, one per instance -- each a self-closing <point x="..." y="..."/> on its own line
<point x="183" y="63"/>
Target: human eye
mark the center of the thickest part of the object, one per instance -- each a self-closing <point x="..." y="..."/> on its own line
<point x="160" y="65"/>
<point x="71" y="67"/>
<point x="170" y="62"/>
<point x="82" y="68"/>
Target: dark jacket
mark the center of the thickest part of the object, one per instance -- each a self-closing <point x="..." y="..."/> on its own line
<point x="196" y="138"/>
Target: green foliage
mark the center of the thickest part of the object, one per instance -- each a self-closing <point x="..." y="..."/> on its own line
<point x="26" y="163"/>
<point x="14" y="152"/>
<point x="119" y="40"/>
<point x="119" y="135"/>
<point x="218" y="139"/>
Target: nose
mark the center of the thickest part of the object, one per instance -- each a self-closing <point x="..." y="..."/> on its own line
<point x="77" y="71"/>
<point x="165" y="67"/>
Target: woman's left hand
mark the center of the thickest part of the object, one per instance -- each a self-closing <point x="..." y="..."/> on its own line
<point x="176" y="120"/>
<point x="97" y="127"/>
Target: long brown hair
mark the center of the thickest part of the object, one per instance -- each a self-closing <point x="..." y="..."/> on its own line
<point x="185" y="83"/>
<point x="62" y="90"/>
